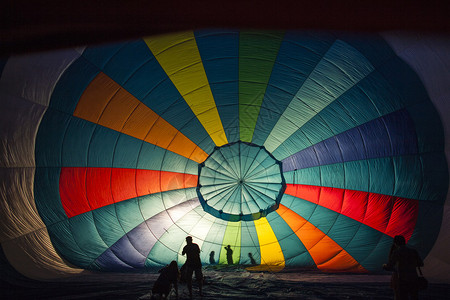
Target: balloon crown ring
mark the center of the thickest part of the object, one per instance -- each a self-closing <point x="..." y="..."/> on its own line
<point x="240" y="182"/>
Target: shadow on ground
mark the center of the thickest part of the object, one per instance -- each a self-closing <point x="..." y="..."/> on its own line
<point x="221" y="283"/>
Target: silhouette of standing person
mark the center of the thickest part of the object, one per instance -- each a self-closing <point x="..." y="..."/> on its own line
<point x="211" y="258"/>
<point x="403" y="261"/>
<point x="229" y="255"/>
<point x="252" y="260"/>
<point x="193" y="264"/>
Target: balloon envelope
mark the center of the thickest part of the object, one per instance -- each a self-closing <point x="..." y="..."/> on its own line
<point x="295" y="148"/>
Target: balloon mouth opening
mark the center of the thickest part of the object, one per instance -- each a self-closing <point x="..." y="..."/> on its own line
<point x="240" y="181"/>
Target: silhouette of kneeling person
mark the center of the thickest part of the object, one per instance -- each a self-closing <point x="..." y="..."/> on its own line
<point x="168" y="277"/>
<point x="229" y="255"/>
<point x="403" y="261"/>
<point x="193" y="264"/>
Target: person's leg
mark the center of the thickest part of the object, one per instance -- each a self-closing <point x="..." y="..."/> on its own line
<point x="402" y="293"/>
<point x="175" y="285"/>
<point x="189" y="272"/>
<point x="413" y="292"/>
<point x="199" y="277"/>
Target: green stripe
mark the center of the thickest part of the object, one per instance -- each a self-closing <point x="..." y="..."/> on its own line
<point x="232" y="237"/>
<point x="257" y="55"/>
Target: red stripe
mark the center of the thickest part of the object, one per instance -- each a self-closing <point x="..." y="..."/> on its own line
<point x="86" y="189"/>
<point x="388" y="214"/>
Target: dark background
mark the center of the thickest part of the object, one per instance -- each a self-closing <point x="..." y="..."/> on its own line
<point x="35" y="25"/>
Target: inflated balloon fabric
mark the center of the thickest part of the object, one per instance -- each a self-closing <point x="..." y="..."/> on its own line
<point x="297" y="148"/>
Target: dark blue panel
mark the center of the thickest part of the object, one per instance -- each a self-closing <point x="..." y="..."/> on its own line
<point x="373" y="47"/>
<point x="352" y="145"/>
<point x="125" y="62"/>
<point x="219" y="50"/>
<point x="407" y="84"/>
<point x="50" y="137"/>
<point x="72" y="84"/>
<point x="402" y="133"/>
<point x="393" y="134"/>
<point x="100" y="55"/>
<point x="328" y="152"/>
<point x="148" y="83"/>
<point x="427" y="124"/>
<point x="376" y="139"/>
<point x="304" y="159"/>
<point x="127" y="253"/>
<point x="108" y="261"/>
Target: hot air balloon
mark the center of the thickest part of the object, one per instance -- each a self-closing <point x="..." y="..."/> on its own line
<point x="296" y="148"/>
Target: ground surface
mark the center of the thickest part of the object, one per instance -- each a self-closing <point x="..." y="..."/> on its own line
<point x="223" y="283"/>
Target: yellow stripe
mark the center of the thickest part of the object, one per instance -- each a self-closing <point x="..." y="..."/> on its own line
<point x="178" y="55"/>
<point x="271" y="253"/>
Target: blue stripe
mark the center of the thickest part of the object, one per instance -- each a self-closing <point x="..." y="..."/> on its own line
<point x="389" y="135"/>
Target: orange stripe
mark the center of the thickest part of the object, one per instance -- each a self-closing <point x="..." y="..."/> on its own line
<point x="325" y="252"/>
<point x="106" y="103"/>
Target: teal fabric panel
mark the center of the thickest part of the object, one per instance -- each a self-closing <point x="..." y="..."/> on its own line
<point x="289" y="242"/>
<point x="129" y="214"/>
<point x="170" y="244"/>
<point x="100" y="55"/>
<point x="329" y="175"/>
<point x="310" y="176"/>
<point x="107" y="225"/>
<point x="374" y="47"/>
<point x="408" y="176"/>
<point x="71" y="85"/>
<point x="249" y="243"/>
<point x="61" y="235"/>
<point x="213" y="242"/>
<point x="101" y="147"/>
<point x="219" y="51"/>
<point x="381" y="174"/>
<point x="377" y="256"/>
<point x="46" y="195"/>
<point x="356" y="175"/>
<point x="126" y="152"/>
<point x="76" y="143"/>
<point x="85" y="234"/>
<point x="125" y="62"/>
<point x="50" y="137"/>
